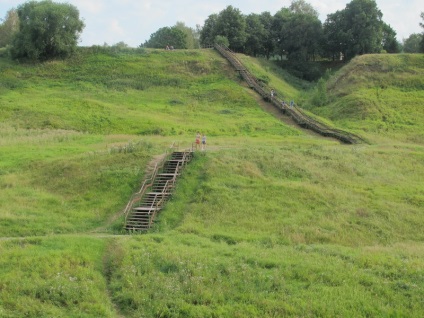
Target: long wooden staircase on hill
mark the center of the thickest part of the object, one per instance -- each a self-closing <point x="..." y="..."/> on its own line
<point x="144" y="205"/>
<point x="294" y="112"/>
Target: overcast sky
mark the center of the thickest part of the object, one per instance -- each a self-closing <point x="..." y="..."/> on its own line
<point x="133" y="21"/>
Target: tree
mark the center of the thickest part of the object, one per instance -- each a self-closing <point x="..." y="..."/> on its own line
<point x="298" y="31"/>
<point x="167" y="36"/>
<point x="304" y="33"/>
<point x="267" y="41"/>
<point x="46" y="30"/>
<point x="9" y="27"/>
<point x="192" y="38"/>
<point x="256" y="33"/>
<point x="259" y="34"/>
<point x="335" y="37"/>
<point x="389" y="42"/>
<point x="422" y="40"/>
<point x="412" y="43"/>
<point x="208" y="32"/>
<point x="358" y="29"/>
<point x="232" y="24"/>
<point x="363" y="21"/>
<point x="279" y="31"/>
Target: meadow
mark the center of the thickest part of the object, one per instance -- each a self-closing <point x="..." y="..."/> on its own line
<point x="270" y="221"/>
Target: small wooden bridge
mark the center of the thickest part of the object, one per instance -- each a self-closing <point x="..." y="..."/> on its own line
<point x="294" y="112"/>
<point x="144" y="205"/>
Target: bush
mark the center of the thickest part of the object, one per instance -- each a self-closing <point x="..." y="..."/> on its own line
<point x="319" y="97"/>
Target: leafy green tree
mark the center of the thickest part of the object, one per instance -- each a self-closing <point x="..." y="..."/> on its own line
<point x="304" y="33"/>
<point x="335" y="35"/>
<point x="256" y="33"/>
<point x="208" y="32"/>
<point x="167" y="36"/>
<point x="363" y="22"/>
<point x="46" y="30"/>
<point x="232" y="24"/>
<point x="422" y="25"/>
<point x="9" y="27"/>
<point x="192" y="38"/>
<point x="267" y="41"/>
<point x="319" y="96"/>
<point x="412" y="43"/>
<point x="298" y="31"/>
<point x="280" y="31"/>
<point x="259" y="34"/>
<point x="389" y="42"/>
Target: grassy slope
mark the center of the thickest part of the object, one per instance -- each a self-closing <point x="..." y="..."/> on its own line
<point x="269" y="223"/>
<point x="381" y="94"/>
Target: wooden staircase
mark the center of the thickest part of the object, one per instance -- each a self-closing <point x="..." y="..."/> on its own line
<point x="143" y="207"/>
<point x="298" y="115"/>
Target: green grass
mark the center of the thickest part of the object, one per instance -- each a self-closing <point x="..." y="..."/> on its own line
<point x="53" y="277"/>
<point x="379" y="94"/>
<point x="268" y="222"/>
<point x="64" y="181"/>
<point x="286" y="86"/>
<point x="159" y="93"/>
<point x="190" y="276"/>
<point x="297" y="195"/>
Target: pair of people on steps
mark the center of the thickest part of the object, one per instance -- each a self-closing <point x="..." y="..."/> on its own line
<point x="202" y="141"/>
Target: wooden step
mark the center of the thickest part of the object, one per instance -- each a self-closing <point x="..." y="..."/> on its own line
<point x="144" y="208"/>
<point x="140" y="217"/>
<point x="138" y="223"/>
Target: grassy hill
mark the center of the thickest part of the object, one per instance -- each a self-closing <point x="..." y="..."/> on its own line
<point x="269" y="222"/>
<point x="380" y="94"/>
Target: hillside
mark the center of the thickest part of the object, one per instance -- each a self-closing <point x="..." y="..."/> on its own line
<point x="380" y="94"/>
<point x="270" y="221"/>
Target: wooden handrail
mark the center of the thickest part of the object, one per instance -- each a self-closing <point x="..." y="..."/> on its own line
<point x="295" y="112"/>
<point x="148" y="182"/>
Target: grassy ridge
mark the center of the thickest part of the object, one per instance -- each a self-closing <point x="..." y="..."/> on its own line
<point x="381" y="94"/>
<point x="269" y="222"/>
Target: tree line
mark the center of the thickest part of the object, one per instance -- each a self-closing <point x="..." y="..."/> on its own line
<point x="295" y="32"/>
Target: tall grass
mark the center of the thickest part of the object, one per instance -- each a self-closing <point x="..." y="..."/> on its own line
<point x="187" y="275"/>
<point x="53" y="277"/>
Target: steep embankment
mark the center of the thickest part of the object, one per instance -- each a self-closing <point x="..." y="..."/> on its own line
<point x="148" y="93"/>
<point x="379" y="94"/>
